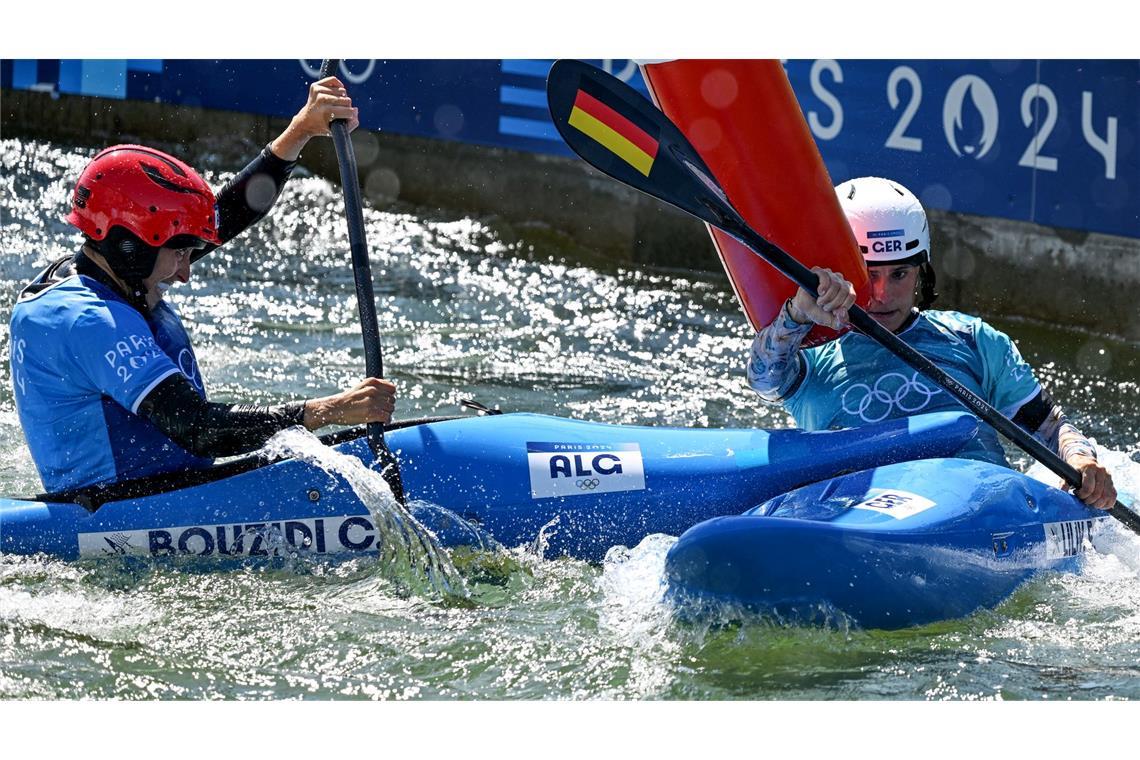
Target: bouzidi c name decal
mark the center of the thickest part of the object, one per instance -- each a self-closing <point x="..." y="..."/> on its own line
<point x="579" y="469"/>
<point x="347" y="534"/>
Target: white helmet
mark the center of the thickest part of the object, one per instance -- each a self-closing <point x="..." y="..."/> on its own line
<point x="888" y="221"/>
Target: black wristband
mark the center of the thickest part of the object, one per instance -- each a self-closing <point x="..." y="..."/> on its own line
<point x="294" y="411"/>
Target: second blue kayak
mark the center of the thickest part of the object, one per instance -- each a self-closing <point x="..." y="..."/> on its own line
<point x="891" y="547"/>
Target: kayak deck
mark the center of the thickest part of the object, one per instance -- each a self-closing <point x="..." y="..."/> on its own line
<point x="587" y="486"/>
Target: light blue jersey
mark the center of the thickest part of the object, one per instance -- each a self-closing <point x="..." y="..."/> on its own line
<point x="854" y="381"/>
<point x="82" y="362"/>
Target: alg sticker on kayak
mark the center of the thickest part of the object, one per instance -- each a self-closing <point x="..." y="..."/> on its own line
<point x="578" y="469"/>
<point x="897" y="504"/>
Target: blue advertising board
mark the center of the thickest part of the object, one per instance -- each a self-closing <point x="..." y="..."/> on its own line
<point x="1055" y="142"/>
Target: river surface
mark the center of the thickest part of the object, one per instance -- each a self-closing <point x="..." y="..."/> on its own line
<point x="467" y="309"/>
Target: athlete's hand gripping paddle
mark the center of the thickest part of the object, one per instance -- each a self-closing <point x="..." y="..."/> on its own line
<point x="362" y="274"/>
<point x="621" y="133"/>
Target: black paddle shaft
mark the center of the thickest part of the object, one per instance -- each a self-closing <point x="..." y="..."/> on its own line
<point x="362" y="274"/>
<point x="666" y="166"/>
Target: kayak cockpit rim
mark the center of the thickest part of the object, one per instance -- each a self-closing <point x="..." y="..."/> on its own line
<point x="93" y="497"/>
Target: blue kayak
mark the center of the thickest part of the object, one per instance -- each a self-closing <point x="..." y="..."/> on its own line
<point x="590" y="485"/>
<point x="891" y="547"/>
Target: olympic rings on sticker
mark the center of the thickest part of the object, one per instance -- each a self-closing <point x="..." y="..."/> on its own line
<point x="587" y="484"/>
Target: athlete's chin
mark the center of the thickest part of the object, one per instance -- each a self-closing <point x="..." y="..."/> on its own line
<point x="888" y="319"/>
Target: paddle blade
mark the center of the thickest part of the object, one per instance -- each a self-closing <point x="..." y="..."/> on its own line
<point x="619" y="132"/>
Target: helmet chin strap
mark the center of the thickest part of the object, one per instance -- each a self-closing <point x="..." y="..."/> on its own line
<point x="125" y="279"/>
<point x="137" y="295"/>
<point x="927" y="283"/>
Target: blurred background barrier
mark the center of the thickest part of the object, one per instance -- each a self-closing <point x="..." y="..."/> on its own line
<point x="1030" y="169"/>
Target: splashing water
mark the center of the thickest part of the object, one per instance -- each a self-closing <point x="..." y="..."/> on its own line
<point x="468" y="307"/>
<point x="541" y="542"/>
<point x="1116" y="540"/>
<point x="409" y="553"/>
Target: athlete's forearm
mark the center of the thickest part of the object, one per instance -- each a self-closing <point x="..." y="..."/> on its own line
<point x="214" y="430"/>
<point x="1045" y="419"/>
<point x="773" y="369"/>
<point x="249" y="195"/>
<point x="1063" y="437"/>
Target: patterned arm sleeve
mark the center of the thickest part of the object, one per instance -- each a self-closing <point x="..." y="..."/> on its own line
<point x="774" y="366"/>
<point x="1045" y="419"/>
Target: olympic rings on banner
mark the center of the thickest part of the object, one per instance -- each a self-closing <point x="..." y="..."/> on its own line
<point x="351" y="76"/>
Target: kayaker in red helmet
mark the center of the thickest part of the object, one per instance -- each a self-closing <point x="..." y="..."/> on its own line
<point x="106" y="381"/>
<point x="853" y="380"/>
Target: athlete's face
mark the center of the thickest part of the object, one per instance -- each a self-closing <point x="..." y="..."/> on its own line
<point x="172" y="265"/>
<point x="892" y="293"/>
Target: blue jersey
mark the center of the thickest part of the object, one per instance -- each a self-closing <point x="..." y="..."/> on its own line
<point x="854" y="381"/>
<point x="82" y="362"/>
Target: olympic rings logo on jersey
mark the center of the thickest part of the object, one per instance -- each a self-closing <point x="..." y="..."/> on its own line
<point x="587" y="484"/>
<point x="891" y="391"/>
<point x="189" y="367"/>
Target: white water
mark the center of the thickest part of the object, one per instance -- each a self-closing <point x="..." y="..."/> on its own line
<point x="1115" y="541"/>
<point x="471" y="308"/>
<point x="410" y="555"/>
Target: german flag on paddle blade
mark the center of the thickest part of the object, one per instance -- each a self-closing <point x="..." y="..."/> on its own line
<point x="615" y="131"/>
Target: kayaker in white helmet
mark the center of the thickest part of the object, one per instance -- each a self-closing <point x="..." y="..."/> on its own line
<point x="853" y="380"/>
<point x="105" y="379"/>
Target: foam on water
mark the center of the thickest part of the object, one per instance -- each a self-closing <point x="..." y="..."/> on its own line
<point x="633" y="588"/>
<point x="632" y="612"/>
<point x="65" y="601"/>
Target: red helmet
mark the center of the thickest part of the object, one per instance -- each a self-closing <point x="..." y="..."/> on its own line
<point x="149" y="193"/>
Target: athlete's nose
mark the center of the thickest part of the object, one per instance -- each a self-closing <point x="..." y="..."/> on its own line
<point x="183" y="273"/>
<point x="878" y="289"/>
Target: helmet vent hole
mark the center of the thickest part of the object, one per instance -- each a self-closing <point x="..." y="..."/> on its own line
<point x="175" y="222"/>
<point x="156" y="238"/>
<point x="98" y="230"/>
<point x="99" y="175"/>
<point x="153" y="209"/>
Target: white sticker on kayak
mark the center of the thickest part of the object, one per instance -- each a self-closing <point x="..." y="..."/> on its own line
<point x="1066" y="539"/>
<point x="579" y="469"/>
<point x="274" y="538"/>
<point x="897" y="504"/>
